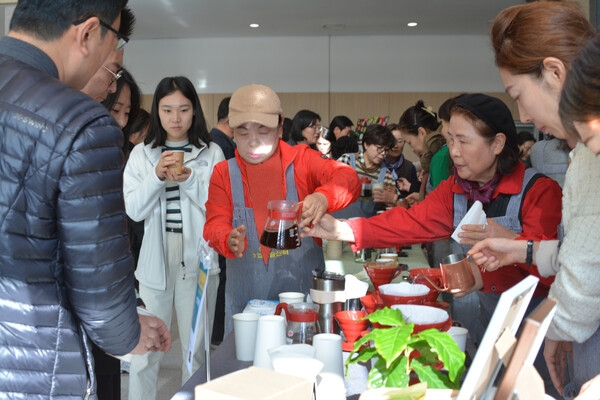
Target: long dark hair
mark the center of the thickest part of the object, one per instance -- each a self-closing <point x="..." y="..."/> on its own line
<point x="136" y="100"/>
<point x="198" y="132"/>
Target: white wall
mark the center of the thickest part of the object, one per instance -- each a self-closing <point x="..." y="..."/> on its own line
<point x="295" y="64"/>
<point x="6" y="12"/>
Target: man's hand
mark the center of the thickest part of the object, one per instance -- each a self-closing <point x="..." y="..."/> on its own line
<point x="154" y="336"/>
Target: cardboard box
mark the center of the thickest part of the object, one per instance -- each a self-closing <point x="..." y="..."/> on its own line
<point x="255" y="384"/>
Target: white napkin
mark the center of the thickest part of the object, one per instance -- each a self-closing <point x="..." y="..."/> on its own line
<point x="475" y="216"/>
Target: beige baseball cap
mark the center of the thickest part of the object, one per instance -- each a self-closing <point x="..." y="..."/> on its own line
<point x="254" y="103"/>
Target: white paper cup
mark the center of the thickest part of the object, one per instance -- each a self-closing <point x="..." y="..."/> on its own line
<point x="270" y="333"/>
<point x="244" y="329"/>
<point x="328" y="349"/>
<point x="459" y="334"/>
<point x="291" y="297"/>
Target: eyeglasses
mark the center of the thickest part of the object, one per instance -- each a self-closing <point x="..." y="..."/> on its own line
<point x="382" y="150"/>
<point x="317" y="128"/>
<point x="123" y="40"/>
<point x="114" y="77"/>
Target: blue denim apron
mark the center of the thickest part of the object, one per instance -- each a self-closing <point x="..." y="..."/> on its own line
<point x="249" y="277"/>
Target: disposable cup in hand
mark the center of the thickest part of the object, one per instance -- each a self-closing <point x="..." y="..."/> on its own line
<point x="178" y="166"/>
<point x="244" y="329"/>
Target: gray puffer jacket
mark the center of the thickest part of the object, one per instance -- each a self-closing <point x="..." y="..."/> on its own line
<point x="66" y="272"/>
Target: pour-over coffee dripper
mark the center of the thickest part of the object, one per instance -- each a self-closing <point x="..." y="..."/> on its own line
<point x="381" y="273"/>
<point x="353" y="324"/>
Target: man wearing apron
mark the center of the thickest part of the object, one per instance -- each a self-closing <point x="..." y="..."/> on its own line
<point x="266" y="168"/>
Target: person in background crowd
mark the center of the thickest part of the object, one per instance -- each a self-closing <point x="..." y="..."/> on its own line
<point x="139" y="128"/>
<point x="441" y="162"/>
<point x="550" y="156"/>
<point x="171" y="204"/>
<point x="399" y="167"/>
<point x="418" y="125"/>
<point x="535" y="45"/>
<point x="368" y="164"/>
<point x="265" y="168"/>
<point x="222" y="134"/>
<point x="341" y="126"/>
<point x="306" y="128"/>
<point x="526" y="141"/>
<point x="483" y="146"/>
<point x="65" y="270"/>
<point x="123" y="104"/>
<point x="286" y="129"/>
<point x="104" y="81"/>
<point x="324" y="142"/>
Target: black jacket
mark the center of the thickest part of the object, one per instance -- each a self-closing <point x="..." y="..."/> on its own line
<point x="65" y="265"/>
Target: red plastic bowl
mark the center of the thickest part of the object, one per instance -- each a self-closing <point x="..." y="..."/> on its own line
<point x="425" y="317"/>
<point x="390" y="300"/>
<point x="400" y="293"/>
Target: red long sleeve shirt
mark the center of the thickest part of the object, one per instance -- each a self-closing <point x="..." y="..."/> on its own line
<point x="432" y="220"/>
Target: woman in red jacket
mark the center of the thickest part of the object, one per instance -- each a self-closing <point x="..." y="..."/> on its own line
<point x="519" y="205"/>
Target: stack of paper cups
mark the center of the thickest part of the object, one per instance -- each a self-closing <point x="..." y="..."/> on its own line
<point x="334" y="249"/>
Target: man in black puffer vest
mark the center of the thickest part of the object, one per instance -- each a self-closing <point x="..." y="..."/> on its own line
<point x="66" y="272"/>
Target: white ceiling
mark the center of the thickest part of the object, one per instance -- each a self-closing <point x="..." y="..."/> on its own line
<point x="231" y="18"/>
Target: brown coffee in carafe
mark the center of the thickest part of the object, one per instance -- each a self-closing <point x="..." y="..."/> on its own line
<point x="281" y="229"/>
<point x="285" y="239"/>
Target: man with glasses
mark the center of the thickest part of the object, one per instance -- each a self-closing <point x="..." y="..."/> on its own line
<point x="105" y="79"/>
<point x="66" y="272"/>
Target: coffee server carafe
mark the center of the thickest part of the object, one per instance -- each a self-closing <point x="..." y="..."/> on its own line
<point x="302" y="321"/>
<point x="328" y="291"/>
<point x="281" y="229"/>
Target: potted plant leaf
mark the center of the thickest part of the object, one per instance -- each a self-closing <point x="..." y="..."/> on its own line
<point x="398" y="352"/>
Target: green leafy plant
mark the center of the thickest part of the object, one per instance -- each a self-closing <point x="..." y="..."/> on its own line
<point x="400" y="352"/>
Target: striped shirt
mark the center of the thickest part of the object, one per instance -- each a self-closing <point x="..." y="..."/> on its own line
<point x="174" y="219"/>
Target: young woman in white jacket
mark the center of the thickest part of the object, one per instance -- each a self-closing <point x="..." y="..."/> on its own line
<point x="171" y="204"/>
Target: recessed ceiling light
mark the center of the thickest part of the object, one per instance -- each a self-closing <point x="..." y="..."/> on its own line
<point x="412" y="24"/>
<point x="254" y="25"/>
